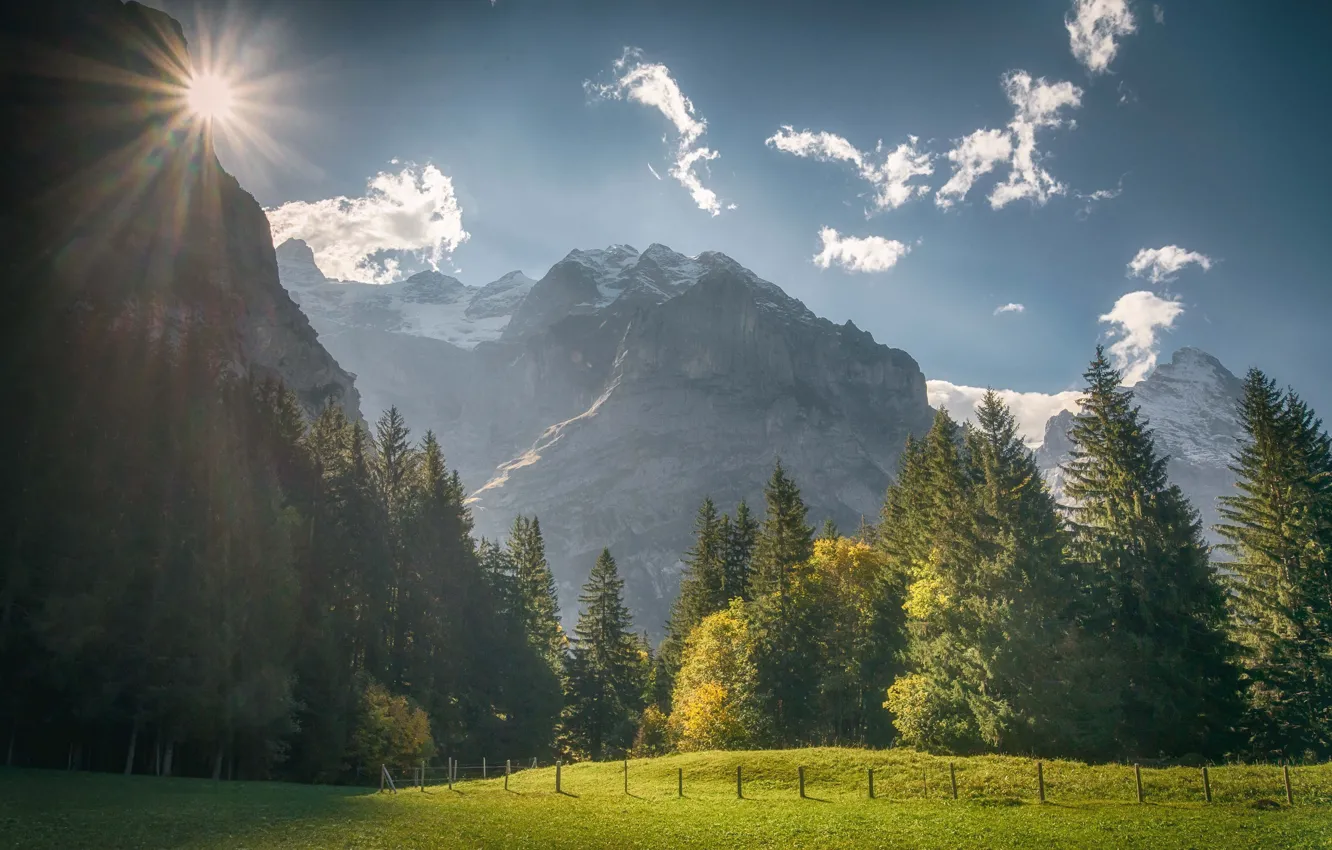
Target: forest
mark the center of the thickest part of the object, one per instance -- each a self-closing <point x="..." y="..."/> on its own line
<point x="229" y="587"/>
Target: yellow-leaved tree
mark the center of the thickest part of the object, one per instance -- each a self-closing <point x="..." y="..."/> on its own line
<point x="714" y="705"/>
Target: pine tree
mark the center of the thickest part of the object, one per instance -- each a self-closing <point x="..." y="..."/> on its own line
<point x="537" y="591"/>
<point x="703" y="583"/>
<point x="1160" y="604"/>
<point x="743" y="532"/>
<point x="829" y="530"/>
<point x="604" y="671"/>
<point x="1279" y="528"/>
<point x="784" y="539"/>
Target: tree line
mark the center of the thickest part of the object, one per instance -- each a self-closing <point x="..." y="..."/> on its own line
<point x="228" y="587"/>
<point x="978" y="615"/>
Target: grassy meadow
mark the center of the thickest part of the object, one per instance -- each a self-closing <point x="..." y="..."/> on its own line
<point x="1087" y="806"/>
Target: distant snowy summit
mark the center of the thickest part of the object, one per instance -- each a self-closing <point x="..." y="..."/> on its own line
<point x="1191" y="406"/>
<point x="427" y="304"/>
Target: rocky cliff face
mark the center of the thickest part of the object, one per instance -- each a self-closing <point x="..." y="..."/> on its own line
<point x="117" y="210"/>
<point x="1190" y="404"/>
<point x="622" y="388"/>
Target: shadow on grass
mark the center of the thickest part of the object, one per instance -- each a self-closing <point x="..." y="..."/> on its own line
<point x="60" y="809"/>
<point x="566" y="794"/>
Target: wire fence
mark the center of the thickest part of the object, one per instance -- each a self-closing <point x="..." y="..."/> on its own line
<point x="422" y="776"/>
<point x="945" y="781"/>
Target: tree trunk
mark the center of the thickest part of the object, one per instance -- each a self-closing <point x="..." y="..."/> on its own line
<point x="217" y="761"/>
<point x="157" y="752"/>
<point x="166" y="761"/>
<point x="69" y="758"/>
<point x="133" y="743"/>
<point x="9" y="755"/>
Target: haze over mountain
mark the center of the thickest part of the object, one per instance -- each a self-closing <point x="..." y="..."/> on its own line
<point x="612" y="395"/>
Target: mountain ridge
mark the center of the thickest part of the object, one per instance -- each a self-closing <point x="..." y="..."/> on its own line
<point x="625" y="386"/>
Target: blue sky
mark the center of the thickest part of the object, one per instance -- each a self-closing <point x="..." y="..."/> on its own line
<point x="1208" y="120"/>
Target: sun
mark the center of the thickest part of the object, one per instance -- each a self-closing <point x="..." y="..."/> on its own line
<point x="210" y="97"/>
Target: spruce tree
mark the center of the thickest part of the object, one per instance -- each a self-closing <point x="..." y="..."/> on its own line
<point x="703" y="583"/>
<point x="1159" y="602"/>
<point x="784" y="539"/>
<point x="604" y="670"/>
<point x="537" y="591"/>
<point x="742" y="533"/>
<point x="1279" y="530"/>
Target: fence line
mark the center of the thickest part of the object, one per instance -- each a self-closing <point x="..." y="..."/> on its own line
<point x="425" y="775"/>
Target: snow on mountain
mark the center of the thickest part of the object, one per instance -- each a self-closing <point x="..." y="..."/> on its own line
<point x="427" y="304"/>
<point x="1190" y="405"/>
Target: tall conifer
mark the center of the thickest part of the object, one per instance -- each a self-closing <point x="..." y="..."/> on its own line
<point x="1158" y="600"/>
<point x="1279" y="530"/>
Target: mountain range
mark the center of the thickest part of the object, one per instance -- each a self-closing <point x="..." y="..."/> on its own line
<point x="615" y="393"/>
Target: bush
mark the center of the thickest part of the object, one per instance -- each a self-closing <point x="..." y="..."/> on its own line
<point x="390" y="730"/>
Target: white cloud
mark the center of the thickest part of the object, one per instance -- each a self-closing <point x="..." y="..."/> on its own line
<point x="1010" y="307"/>
<point x="651" y="84"/>
<point x="654" y="171"/>
<point x="1158" y="14"/>
<point x="1160" y="265"/>
<point x="1138" y="319"/>
<point x="1093" y="26"/>
<point x="1092" y="199"/>
<point x="1031" y="410"/>
<point x="1036" y="106"/>
<point x="414" y="211"/>
<point x="856" y="254"/>
<point x="973" y="156"/>
<point x="890" y="174"/>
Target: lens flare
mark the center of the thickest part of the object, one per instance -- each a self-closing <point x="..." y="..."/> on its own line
<point x="210" y="97"/>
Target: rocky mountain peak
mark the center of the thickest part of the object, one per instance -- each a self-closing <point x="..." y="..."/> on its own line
<point x="1190" y="404"/>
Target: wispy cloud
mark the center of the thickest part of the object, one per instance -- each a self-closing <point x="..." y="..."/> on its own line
<point x="654" y="171"/>
<point x="1031" y="410"/>
<point x="414" y="211"/>
<point x="1093" y="26"/>
<point x="973" y="156"/>
<point x="890" y="174"/>
<point x="1137" y="320"/>
<point x="859" y="254"/>
<point x="1036" y="106"/>
<point x="1161" y="265"/>
<point x="651" y="84"/>
<point x="1158" y="14"/>
<point x="1091" y="199"/>
<point x="1010" y="307"/>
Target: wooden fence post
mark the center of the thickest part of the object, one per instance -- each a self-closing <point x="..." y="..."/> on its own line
<point x="423" y="776"/>
<point x="739" y="787"/>
<point x="925" y="778"/>
<point x="1137" y="775"/>
<point x="381" y="779"/>
<point x="952" y="778"/>
<point x="679" y="779"/>
<point x="1207" y="785"/>
<point x="508" y="768"/>
<point x="800" y="771"/>
<point x="626" y="776"/>
<point x="1285" y="773"/>
<point x="448" y="773"/>
<point x="557" y="776"/>
<point x="483" y="767"/>
<point x="871" y="783"/>
<point x="1040" y="781"/>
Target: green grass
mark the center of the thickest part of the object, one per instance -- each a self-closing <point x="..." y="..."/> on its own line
<point x="1088" y="806"/>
